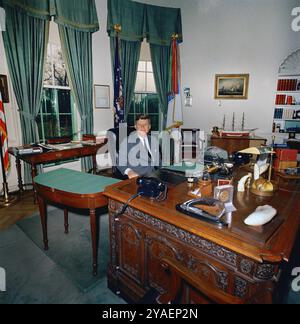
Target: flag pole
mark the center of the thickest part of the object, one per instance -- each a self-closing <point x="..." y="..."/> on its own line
<point x="6" y="200"/>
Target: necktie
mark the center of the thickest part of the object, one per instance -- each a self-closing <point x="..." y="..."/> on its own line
<point x="145" y="142"/>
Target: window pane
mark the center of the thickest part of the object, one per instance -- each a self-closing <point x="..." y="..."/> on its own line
<point x="154" y="122"/>
<point x="50" y="126"/>
<point x="149" y="67"/>
<point x="65" y="125"/>
<point x="150" y="83"/>
<point x="59" y="68"/>
<point x="49" y="101"/>
<point x="142" y="66"/>
<point x="140" y="85"/>
<point x="153" y="104"/>
<point x="131" y="120"/>
<point x="48" y="68"/>
<point x="64" y="101"/>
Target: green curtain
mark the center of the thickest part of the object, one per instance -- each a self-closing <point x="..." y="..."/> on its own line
<point x="75" y="14"/>
<point x="161" y="56"/>
<point x="25" y="42"/>
<point x="162" y="23"/>
<point x="129" y="57"/>
<point x="77" y="50"/>
<point x="130" y="16"/>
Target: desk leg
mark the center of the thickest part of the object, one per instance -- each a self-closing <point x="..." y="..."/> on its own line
<point x="43" y="215"/>
<point x="33" y="175"/>
<point x="19" y="173"/>
<point x="94" y="239"/>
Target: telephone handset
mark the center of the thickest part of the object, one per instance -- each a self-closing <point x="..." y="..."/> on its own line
<point x="149" y="187"/>
<point x="152" y="188"/>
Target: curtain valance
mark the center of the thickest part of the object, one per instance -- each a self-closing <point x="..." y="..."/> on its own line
<point x="34" y="8"/>
<point x="76" y="14"/>
<point x="139" y="21"/>
<point x="130" y="16"/>
<point x="161" y="24"/>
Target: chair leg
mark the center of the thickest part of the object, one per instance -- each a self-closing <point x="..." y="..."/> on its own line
<point x="66" y="214"/>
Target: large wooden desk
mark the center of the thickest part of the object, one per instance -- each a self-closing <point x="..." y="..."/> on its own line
<point x="53" y="156"/>
<point x="234" y="144"/>
<point x="72" y="189"/>
<point x="236" y="262"/>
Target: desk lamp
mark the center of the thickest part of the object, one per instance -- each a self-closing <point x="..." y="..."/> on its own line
<point x="262" y="186"/>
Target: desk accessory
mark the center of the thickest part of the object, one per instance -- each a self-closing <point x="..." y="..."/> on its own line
<point x="244" y="182"/>
<point x="207" y="209"/>
<point x="261" y="216"/>
<point x="225" y="195"/>
<point x="262" y="187"/>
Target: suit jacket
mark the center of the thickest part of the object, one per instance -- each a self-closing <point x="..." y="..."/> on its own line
<point x="134" y="155"/>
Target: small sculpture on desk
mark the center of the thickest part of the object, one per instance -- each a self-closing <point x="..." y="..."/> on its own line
<point x="244" y="183"/>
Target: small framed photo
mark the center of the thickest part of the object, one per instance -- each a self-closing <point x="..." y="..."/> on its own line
<point x="4" y="88"/>
<point x="224" y="194"/>
<point x="231" y="86"/>
<point x="102" y="96"/>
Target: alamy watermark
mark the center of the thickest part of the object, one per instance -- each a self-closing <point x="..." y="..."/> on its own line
<point x="296" y="281"/>
<point x="2" y="19"/>
<point x="296" y="21"/>
<point x="2" y="280"/>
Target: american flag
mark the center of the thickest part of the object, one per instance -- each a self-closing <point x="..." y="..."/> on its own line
<point x="3" y="131"/>
<point x="118" y="88"/>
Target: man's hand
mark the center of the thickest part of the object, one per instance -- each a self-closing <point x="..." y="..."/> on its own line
<point x="132" y="174"/>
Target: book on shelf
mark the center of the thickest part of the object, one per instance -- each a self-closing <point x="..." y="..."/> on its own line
<point x="287" y="85"/>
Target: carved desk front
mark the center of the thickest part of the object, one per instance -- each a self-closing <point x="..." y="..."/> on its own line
<point x="240" y="261"/>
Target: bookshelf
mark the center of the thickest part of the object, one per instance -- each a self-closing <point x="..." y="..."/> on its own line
<point x="287" y="104"/>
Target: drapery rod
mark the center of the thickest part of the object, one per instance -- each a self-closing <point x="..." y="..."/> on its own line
<point x="117" y="28"/>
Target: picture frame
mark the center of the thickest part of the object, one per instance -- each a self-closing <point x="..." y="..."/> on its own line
<point x="102" y="96"/>
<point x="4" y="88"/>
<point x="231" y="86"/>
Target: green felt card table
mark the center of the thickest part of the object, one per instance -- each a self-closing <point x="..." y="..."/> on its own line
<point x="72" y="189"/>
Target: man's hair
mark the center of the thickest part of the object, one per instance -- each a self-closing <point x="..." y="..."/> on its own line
<point x="142" y="117"/>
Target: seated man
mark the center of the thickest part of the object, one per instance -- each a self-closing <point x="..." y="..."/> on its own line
<point x="139" y="153"/>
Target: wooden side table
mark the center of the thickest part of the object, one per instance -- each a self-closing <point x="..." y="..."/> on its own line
<point x="72" y="189"/>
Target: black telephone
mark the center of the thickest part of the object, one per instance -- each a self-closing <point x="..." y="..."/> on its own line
<point x="152" y="188"/>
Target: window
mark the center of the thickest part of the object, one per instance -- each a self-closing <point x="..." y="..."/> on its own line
<point x="145" y="99"/>
<point x="57" y="116"/>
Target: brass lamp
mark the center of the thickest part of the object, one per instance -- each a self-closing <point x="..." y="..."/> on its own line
<point x="262" y="186"/>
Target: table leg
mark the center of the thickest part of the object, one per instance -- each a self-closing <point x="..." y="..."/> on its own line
<point x="19" y="173"/>
<point x="33" y="175"/>
<point x="66" y="214"/>
<point x="43" y="215"/>
<point x="94" y="164"/>
<point x="94" y="239"/>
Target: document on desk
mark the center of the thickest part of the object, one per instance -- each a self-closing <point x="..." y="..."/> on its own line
<point x="65" y="146"/>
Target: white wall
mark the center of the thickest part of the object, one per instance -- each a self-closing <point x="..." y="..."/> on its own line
<point x="234" y="36"/>
<point x="220" y="36"/>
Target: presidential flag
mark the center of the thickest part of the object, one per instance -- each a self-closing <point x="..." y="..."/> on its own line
<point x="175" y="114"/>
<point x="118" y="88"/>
<point x="4" y="141"/>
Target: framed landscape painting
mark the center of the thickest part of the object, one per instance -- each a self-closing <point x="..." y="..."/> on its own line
<point x="231" y="86"/>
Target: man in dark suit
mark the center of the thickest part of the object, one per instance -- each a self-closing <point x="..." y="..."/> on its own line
<point x="139" y="154"/>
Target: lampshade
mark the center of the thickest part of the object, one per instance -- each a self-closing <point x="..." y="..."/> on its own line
<point x="258" y="150"/>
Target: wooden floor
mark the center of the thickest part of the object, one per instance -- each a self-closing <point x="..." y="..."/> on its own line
<point x="24" y="207"/>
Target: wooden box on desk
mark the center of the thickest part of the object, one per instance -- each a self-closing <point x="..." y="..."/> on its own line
<point x="286" y="154"/>
<point x="282" y="165"/>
